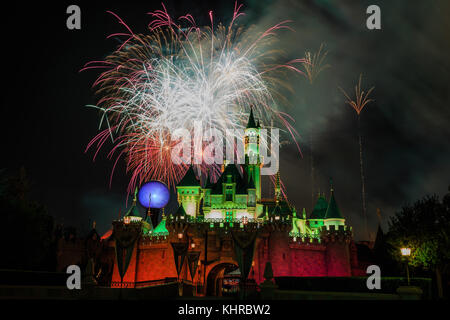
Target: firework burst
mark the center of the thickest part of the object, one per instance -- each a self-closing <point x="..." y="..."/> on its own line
<point x="358" y="104"/>
<point x="313" y="65"/>
<point x="178" y="75"/>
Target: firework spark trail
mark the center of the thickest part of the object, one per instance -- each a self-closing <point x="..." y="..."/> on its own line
<point x="361" y="100"/>
<point x="314" y="65"/>
<point x="177" y="76"/>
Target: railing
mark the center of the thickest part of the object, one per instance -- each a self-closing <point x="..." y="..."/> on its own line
<point x="141" y="284"/>
<point x="192" y="219"/>
<point x="118" y="284"/>
<point x="217" y="221"/>
<point x="299" y="236"/>
<point x="162" y="236"/>
<point x="249" y="220"/>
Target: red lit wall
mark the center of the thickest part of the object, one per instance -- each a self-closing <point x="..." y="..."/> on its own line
<point x="156" y="261"/>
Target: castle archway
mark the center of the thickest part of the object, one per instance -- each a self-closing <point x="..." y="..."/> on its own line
<point x="218" y="282"/>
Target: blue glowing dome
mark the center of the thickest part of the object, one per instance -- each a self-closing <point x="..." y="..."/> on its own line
<point x="159" y="192"/>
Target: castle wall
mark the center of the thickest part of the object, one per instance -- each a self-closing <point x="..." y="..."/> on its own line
<point x="279" y="253"/>
<point x="163" y="266"/>
<point x="150" y="262"/>
<point x="260" y="257"/>
<point x="338" y="259"/>
<point x="70" y="252"/>
<point x="302" y="258"/>
<point x="308" y="260"/>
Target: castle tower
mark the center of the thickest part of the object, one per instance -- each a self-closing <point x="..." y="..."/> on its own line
<point x="251" y="189"/>
<point x="316" y="219"/>
<point x="133" y="215"/>
<point x="207" y="190"/>
<point x="277" y="187"/>
<point x="333" y="215"/>
<point x="251" y="148"/>
<point x="189" y="193"/>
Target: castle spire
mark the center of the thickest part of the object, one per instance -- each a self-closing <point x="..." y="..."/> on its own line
<point x="277" y="187"/>
<point x="134" y="211"/>
<point x="189" y="179"/>
<point x="148" y="214"/>
<point x="251" y="120"/>
<point x="135" y="196"/>
<point x="333" y="211"/>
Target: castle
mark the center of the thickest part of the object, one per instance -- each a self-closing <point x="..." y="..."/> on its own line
<point x="227" y="226"/>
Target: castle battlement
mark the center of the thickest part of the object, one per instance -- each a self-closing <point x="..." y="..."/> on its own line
<point x="217" y="221"/>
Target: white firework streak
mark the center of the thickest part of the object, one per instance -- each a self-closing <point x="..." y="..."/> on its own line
<point x="178" y="77"/>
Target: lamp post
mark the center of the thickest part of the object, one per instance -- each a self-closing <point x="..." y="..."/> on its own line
<point x="406" y="252"/>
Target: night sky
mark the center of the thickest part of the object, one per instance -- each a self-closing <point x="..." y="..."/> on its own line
<point x="46" y="126"/>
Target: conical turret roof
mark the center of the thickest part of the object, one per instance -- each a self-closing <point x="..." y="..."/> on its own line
<point x="333" y="211"/>
<point x="148" y="221"/>
<point x="251" y="120"/>
<point x="147" y="225"/>
<point x="189" y="179"/>
<point x="180" y="212"/>
<point x="233" y="171"/>
<point x="320" y="208"/>
<point x="277" y="211"/>
<point x="161" y="227"/>
<point x="134" y="211"/>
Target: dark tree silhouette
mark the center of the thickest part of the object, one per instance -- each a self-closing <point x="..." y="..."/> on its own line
<point x="424" y="227"/>
<point x="27" y="239"/>
<point x="381" y="254"/>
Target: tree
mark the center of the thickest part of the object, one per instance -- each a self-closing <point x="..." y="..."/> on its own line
<point x="26" y="241"/>
<point x="382" y="254"/>
<point x="424" y="227"/>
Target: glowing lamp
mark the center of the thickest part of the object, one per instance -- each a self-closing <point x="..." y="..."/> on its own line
<point x="126" y="220"/>
<point x="277" y="218"/>
<point x="180" y="236"/>
<point x="193" y="245"/>
<point x="154" y="194"/>
<point x="405" y="251"/>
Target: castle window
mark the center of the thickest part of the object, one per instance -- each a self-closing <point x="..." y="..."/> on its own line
<point x="229" y="193"/>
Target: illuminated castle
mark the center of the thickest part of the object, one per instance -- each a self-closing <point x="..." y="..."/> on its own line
<point x="222" y="226"/>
